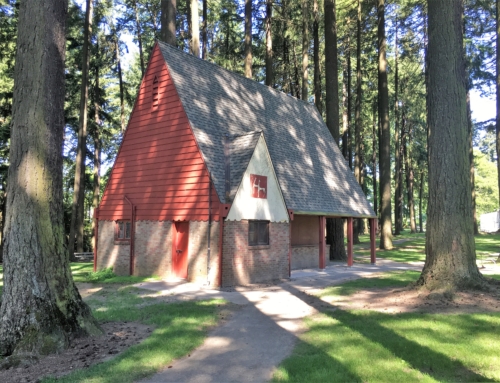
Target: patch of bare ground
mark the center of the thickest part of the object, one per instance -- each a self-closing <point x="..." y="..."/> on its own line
<point x="83" y="353"/>
<point x="401" y="300"/>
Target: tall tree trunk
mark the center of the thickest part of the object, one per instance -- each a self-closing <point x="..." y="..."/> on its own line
<point x="194" y="45"/>
<point x="398" y="196"/>
<point x="97" y="152"/>
<point x="357" y="120"/>
<point x="348" y="142"/>
<point x="345" y="121"/>
<point x="168" y="14"/>
<point x="248" y="38"/>
<point x="385" y="134"/>
<point x="77" y="208"/>
<point x="334" y="226"/>
<point x="120" y="81"/>
<point x="41" y="308"/>
<point x="405" y="142"/>
<point x="204" y="32"/>
<point x="317" y="79"/>
<point x="420" y="198"/>
<point x="139" y="36"/>
<point x="305" y="50"/>
<point x="498" y="92"/>
<point x="296" y="71"/>
<point x="269" y="44"/>
<point x="374" y="155"/>
<point x="450" y="249"/>
<point x="470" y="131"/>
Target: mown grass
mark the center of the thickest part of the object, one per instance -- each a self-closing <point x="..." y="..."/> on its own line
<point x="178" y="329"/>
<point x="84" y="273"/>
<point x="368" y="346"/>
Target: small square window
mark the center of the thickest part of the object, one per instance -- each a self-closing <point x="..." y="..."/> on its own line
<point x="122" y="230"/>
<point x="258" y="233"/>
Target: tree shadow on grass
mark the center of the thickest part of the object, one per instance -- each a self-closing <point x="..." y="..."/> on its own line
<point x="417" y="356"/>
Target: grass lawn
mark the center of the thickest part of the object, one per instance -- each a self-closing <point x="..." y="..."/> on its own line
<point x="369" y="346"/>
<point x="83" y="272"/>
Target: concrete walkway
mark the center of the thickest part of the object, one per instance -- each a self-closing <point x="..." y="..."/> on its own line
<point x="263" y="332"/>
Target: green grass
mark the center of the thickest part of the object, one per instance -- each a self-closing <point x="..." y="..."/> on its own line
<point x="179" y="328"/>
<point x="390" y="279"/>
<point x="368" y="346"/>
<point x="83" y="273"/>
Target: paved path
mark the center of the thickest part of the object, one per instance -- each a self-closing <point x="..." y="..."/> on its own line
<point x="263" y="332"/>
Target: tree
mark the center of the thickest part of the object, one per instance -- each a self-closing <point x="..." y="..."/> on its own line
<point x="168" y="12"/>
<point x="195" y="29"/>
<point x="450" y="250"/>
<point x="498" y="90"/>
<point x="317" y="75"/>
<point x="305" y="50"/>
<point x="77" y="209"/>
<point x="334" y="226"/>
<point x="269" y="43"/>
<point x="358" y="165"/>
<point x="41" y="308"/>
<point x="385" y="135"/>
<point x="248" y="38"/>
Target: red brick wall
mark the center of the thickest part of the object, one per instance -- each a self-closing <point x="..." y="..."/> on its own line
<point x="153" y="248"/>
<point x="307" y="256"/>
<point x="111" y="253"/>
<point x="243" y="265"/>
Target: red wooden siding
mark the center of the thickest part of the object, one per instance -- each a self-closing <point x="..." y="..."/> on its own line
<point x="159" y="167"/>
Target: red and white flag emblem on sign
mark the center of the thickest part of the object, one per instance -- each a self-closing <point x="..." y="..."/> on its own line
<point x="259" y="186"/>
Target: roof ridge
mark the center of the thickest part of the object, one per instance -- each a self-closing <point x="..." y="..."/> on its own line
<point x="280" y="92"/>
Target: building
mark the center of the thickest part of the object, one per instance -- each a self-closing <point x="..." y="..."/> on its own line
<point x="221" y="180"/>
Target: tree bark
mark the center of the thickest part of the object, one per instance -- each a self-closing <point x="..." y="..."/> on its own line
<point x="317" y="79"/>
<point x="120" y="82"/>
<point x="97" y="153"/>
<point x="450" y="250"/>
<point x="357" y="121"/>
<point x="305" y="50"/>
<point x="498" y="92"/>
<point x="41" y="308"/>
<point x="195" y="29"/>
<point x="420" y="198"/>
<point x="385" y="135"/>
<point x="77" y="208"/>
<point x="374" y="156"/>
<point x="168" y="14"/>
<point x="331" y="70"/>
<point x="398" y="196"/>
<point x="139" y="36"/>
<point x="334" y="226"/>
<point x="204" y="32"/>
<point x="269" y="44"/>
<point x="409" y="179"/>
<point x="345" y="122"/>
<point x="248" y="38"/>
<point x="348" y="141"/>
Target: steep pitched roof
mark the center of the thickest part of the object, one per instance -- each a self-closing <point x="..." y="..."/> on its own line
<point x="241" y="150"/>
<point x="312" y="173"/>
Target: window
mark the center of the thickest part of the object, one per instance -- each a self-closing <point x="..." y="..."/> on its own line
<point x="154" y="104"/>
<point x="258" y="233"/>
<point x="122" y="230"/>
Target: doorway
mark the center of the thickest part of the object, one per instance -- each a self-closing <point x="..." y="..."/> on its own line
<point x="180" y="241"/>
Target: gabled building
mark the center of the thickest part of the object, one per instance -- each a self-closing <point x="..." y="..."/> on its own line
<point x="221" y="180"/>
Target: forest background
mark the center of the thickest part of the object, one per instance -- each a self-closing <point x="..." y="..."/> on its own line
<point x="121" y="34"/>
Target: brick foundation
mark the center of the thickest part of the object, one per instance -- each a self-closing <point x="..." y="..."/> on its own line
<point x="110" y="254"/>
<point x="307" y="256"/>
<point x="153" y="248"/>
<point x="243" y="265"/>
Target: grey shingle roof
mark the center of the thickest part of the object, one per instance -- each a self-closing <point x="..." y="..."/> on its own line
<point x="312" y="173"/>
<point x="241" y="150"/>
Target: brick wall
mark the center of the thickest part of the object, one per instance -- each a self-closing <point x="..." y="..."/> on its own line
<point x="307" y="257"/>
<point x="243" y="265"/>
<point x="153" y="248"/>
<point x="197" y="252"/>
<point x="110" y="254"/>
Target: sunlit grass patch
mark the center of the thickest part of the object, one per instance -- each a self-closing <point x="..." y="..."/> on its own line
<point x="84" y="272"/>
<point x="361" y="346"/>
<point x="389" y="279"/>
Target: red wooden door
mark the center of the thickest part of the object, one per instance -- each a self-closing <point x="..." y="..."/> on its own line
<point x="180" y="242"/>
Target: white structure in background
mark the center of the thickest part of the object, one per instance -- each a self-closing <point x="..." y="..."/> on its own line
<point x="490" y="222"/>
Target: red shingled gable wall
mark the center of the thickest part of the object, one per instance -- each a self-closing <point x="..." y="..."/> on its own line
<point x="159" y="166"/>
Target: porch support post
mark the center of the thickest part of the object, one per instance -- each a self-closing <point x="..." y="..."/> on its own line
<point x="349" y="241"/>
<point x="322" y="242"/>
<point x="373" y="255"/>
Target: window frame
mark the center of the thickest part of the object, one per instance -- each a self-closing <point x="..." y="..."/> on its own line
<point x="255" y="231"/>
<point x="118" y="231"/>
